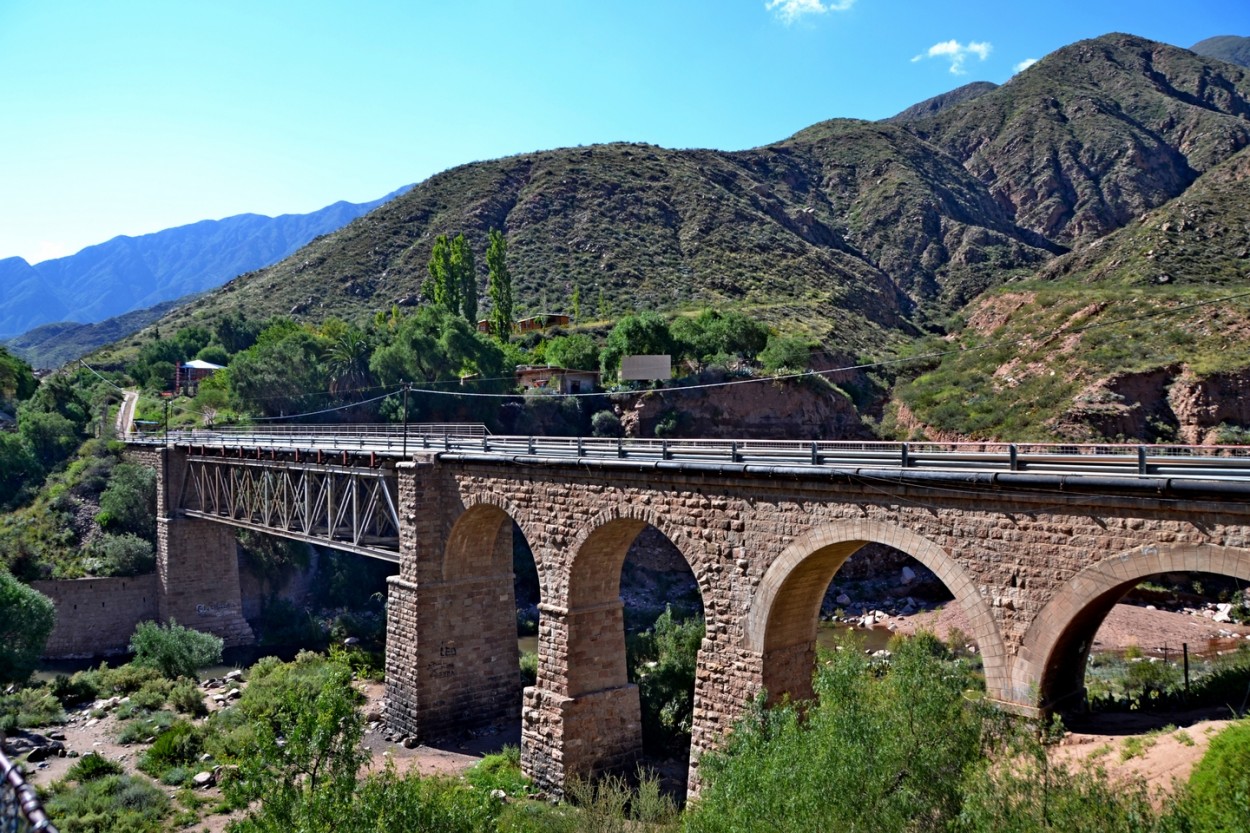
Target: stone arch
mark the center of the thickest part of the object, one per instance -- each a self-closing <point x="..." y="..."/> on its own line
<point x="1050" y="667"/>
<point x="480" y="539"/>
<point x="781" y="625"/>
<point x="599" y="550"/>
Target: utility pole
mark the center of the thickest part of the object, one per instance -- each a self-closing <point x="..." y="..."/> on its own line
<point x="407" y="387"/>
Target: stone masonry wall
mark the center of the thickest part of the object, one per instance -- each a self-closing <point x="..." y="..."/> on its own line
<point x="96" y="616"/>
<point x="1003" y="553"/>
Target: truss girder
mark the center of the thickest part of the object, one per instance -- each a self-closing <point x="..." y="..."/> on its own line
<point x="347" y="507"/>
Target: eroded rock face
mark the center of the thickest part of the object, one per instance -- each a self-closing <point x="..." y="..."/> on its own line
<point x="1170" y="404"/>
<point x="792" y="410"/>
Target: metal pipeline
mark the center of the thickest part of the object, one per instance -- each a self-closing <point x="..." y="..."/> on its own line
<point x="920" y="477"/>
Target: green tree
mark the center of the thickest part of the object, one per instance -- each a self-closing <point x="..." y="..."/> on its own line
<point x="214" y="354"/>
<point x="305" y="750"/>
<point x="173" y="650"/>
<point x="499" y="286"/>
<point x="19" y="469"/>
<point x="643" y="334"/>
<point x="576" y="352"/>
<point x="464" y="272"/>
<point x="17" y="381"/>
<point x="128" y="503"/>
<point x="441" y="287"/>
<point x="662" y="662"/>
<point x="786" y="353"/>
<point x="235" y="332"/>
<point x="347" y="361"/>
<point x="51" y="437"/>
<point x="280" y="373"/>
<point x="883" y="750"/>
<point x="436" y="346"/>
<point x="26" y="620"/>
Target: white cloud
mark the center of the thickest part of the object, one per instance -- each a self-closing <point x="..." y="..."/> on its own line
<point x="1023" y="65"/>
<point x="791" y="10"/>
<point x="957" y="53"/>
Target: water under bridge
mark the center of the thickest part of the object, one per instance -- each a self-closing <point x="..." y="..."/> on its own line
<point x="1035" y="542"/>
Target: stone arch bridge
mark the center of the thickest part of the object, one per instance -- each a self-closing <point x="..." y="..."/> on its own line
<point x="1036" y="548"/>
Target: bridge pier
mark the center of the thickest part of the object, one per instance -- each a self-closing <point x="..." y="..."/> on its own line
<point x="451" y="655"/>
<point x="197" y="564"/>
<point x="583" y="717"/>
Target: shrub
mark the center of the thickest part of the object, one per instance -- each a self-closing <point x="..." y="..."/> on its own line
<point x="529" y="668"/>
<point x="605" y="424"/>
<point x="27" y="707"/>
<point x="150" y="697"/>
<point x="123" y="555"/>
<point x="125" y="679"/>
<point x="129" y="502"/>
<point x="883" y="749"/>
<point x="187" y="698"/>
<point x="92" y="766"/>
<point x="1219" y="787"/>
<point x="76" y="690"/>
<point x="501" y="771"/>
<point x="662" y="661"/>
<point x="146" y="728"/>
<point x="173" y="650"/>
<point x="109" y="803"/>
<point x="178" y="746"/>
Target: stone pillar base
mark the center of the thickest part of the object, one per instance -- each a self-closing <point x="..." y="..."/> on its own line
<point x="451" y="656"/>
<point x="198" y="567"/>
<point x="567" y="737"/>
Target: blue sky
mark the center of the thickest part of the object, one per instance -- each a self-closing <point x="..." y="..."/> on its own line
<point x="128" y="117"/>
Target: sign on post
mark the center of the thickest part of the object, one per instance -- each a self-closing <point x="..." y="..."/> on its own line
<point x="646" y="368"/>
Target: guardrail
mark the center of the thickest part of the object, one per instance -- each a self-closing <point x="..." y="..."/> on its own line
<point x="1211" y="462"/>
<point x="20" y="809"/>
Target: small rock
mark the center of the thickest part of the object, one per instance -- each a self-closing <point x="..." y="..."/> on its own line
<point x="203" y="780"/>
<point x="909" y="575"/>
<point x="233" y="694"/>
<point x="498" y="795"/>
<point x="205" y="758"/>
<point x="843" y="599"/>
<point x="234" y="675"/>
<point x="410" y="742"/>
<point x="56" y="735"/>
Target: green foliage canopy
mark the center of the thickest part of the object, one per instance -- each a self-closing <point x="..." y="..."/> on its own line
<point x="26" y="620"/>
<point x="173" y="650"/>
<point x="643" y="334"/>
<point x="464" y="273"/>
<point x="499" y="286"/>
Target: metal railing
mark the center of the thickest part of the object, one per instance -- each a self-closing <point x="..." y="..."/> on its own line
<point x="1226" y="462"/>
<point x="20" y="809"/>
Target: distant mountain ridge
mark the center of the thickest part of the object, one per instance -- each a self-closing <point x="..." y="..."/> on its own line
<point x="1231" y="48"/>
<point x="130" y="273"/>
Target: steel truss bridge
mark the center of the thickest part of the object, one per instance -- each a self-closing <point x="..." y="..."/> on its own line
<point x="337" y="485"/>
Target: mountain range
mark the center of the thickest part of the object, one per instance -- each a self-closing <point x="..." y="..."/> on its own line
<point x="131" y="273"/>
<point x="865" y="235"/>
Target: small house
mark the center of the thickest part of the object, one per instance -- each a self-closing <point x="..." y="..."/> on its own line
<point x="555" y="380"/>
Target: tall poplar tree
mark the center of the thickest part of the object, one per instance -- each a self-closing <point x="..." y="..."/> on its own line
<point x="499" y="286"/>
<point x="442" y="287"/>
<point x="464" y="272"/>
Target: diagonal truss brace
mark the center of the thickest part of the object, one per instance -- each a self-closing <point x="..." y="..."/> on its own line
<point x="345" y="507"/>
